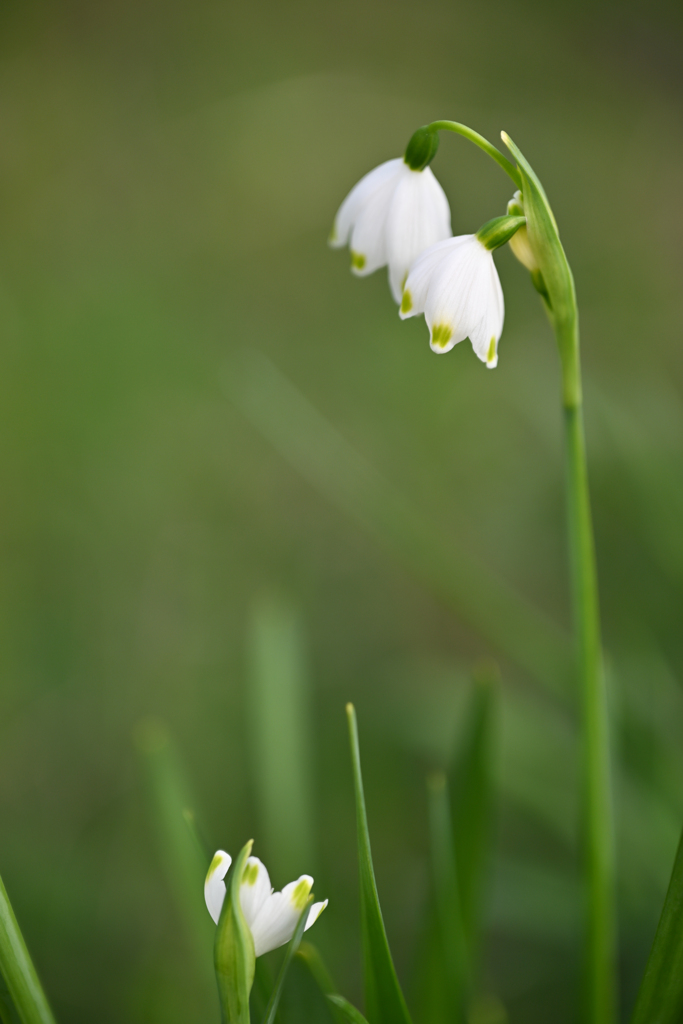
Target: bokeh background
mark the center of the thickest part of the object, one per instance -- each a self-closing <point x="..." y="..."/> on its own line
<point x="238" y="492"/>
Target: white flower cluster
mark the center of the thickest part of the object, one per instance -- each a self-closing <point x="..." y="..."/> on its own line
<point x="271" y="916"/>
<point x="399" y="217"/>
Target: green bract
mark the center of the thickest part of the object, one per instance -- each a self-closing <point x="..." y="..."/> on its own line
<point x="234" y="957"/>
<point x="498" y="231"/>
<point x="422" y="148"/>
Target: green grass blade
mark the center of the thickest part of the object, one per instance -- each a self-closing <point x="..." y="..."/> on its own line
<point x="183" y="859"/>
<point x="472" y="804"/>
<point x="454" y="973"/>
<point x="277" y="702"/>
<point x="348" y="1011"/>
<point x="384" y="999"/>
<point x="660" y="998"/>
<point x="320" y="974"/>
<point x="292" y="948"/>
<point x="316" y="450"/>
<point x="17" y="969"/>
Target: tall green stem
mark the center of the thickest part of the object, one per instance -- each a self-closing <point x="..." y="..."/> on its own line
<point x="597" y="827"/>
<point x="18" y="970"/>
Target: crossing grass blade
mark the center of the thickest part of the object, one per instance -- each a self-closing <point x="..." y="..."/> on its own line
<point x="348" y="1011"/>
<point x="322" y="977"/>
<point x="292" y="947"/>
<point x="384" y="1001"/>
<point x="26" y="996"/>
<point x="660" y="998"/>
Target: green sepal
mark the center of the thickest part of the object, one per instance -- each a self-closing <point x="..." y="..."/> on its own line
<point x="660" y="998"/>
<point x="498" y="231"/>
<point x="384" y="1000"/>
<point x="348" y="1011"/>
<point x="555" y="272"/>
<point x="292" y="947"/>
<point x="234" y="958"/>
<point x="422" y="148"/>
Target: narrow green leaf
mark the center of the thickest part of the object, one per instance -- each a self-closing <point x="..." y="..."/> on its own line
<point x="471" y="785"/>
<point x="660" y="998"/>
<point x="349" y="1012"/>
<point x="292" y="947"/>
<point x="318" y="969"/>
<point x="8" y="1013"/>
<point x="16" y="966"/>
<point x="384" y="999"/>
<point x="234" y="957"/>
<point x="454" y="973"/>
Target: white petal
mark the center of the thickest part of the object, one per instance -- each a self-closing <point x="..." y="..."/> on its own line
<point x="422" y="272"/>
<point x="255" y="889"/>
<point x="359" y="197"/>
<point x="459" y="295"/>
<point x="485" y="336"/>
<point x="276" y="921"/>
<point x="314" y="913"/>
<point x="418" y="217"/>
<point x="214" y="886"/>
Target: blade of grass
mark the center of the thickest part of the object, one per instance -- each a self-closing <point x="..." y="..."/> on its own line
<point x="16" y="966"/>
<point x="472" y="801"/>
<point x="384" y="1001"/>
<point x="660" y="998"/>
<point x="183" y="858"/>
<point x="348" y="1011"/>
<point x="278" y="713"/>
<point x="324" y="458"/>
<point x="454" y="975"/>
<point x="318" y="969"/>
<point x="292" y="947"/>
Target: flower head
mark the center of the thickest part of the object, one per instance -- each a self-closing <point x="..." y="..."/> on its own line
<point x="389" y="218"/>
<point x="270" y="916"/>
<point x="455" y="284"/>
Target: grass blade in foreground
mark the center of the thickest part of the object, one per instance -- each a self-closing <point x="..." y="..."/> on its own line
<point x="454" y="973"/>
<point x="384" y="999"/>
<point x="18" y="971"/>
<point x="322" y="977"/>
<point x="292" y="947"/>
<point x="660" y="998"/>
<point x="472" y="800"/>
<point x="347" y="1009"/>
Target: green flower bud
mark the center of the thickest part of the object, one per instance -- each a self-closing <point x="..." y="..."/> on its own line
<point x="498" y="231"/>
<point x="421" y="149"/>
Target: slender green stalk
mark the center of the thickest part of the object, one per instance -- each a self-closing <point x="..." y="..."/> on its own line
<point x="597" y="807"/>
<point x="479" y="140"/>
<point x="18" y="971"/>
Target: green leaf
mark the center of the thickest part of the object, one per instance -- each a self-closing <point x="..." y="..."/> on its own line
<point x="453" y="976"/>
<point x="557" y="279"/>
<point x="234" y="957"/>
<point x="23" y="985"/>
<point x="316" y="965"/>
<point x="384" y="999"/>
<point x="8" y="1013"/>
<point x="471" y="783"/>
<point x="292" y="947"/>
<point x="660" y="998"/>
<point x="348" y="1010"/>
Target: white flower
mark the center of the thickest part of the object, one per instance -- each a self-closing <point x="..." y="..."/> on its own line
<point x="271" y="916"/>
<point x="455" y="284"/>
<point x="389" y="218"/>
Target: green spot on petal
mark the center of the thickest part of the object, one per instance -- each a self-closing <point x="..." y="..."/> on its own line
<point x="357" y="260"/>
<point x="491" y="354"/>
<point x="250" y="874"/>
<point x="406" y="302"/>
<point x="214" y="865"/>
<point x="441" y="335"/>
<point x="301" y="894"/>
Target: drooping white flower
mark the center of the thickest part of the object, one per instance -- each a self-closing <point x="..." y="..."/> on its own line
<point x="455" y="284"/>
<point x="270" y="916"/>
<point x="389" y="218"/>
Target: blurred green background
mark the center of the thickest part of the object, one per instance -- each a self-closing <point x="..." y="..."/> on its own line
<point x="231" y="477"/>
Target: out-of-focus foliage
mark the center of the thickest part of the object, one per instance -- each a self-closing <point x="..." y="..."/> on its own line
<point x="168" y="176"/>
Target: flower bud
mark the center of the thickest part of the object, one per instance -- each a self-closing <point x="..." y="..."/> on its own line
<point x="421" y="149"/>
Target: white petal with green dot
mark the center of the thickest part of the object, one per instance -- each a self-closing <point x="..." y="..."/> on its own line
<point x="255" y="889"/>
<point x="455" y="284"/>
<point x="275" y="923"/>
<point x="214" y="886"/>
<point x="389" y="218"/>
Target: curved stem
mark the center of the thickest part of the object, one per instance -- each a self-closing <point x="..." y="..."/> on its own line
<point x="479" y="140"/>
